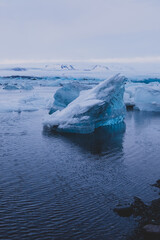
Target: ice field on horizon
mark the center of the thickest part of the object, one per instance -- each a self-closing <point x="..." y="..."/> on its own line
<point x="31" y="87"/>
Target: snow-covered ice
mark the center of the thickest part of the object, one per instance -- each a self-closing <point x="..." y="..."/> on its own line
<point x="147" y="98"/>
<point x="96" y="107"/>
<point x="66" y="94"/>
<point x="143" y="96"/>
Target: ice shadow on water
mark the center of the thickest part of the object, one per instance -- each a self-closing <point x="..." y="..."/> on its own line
<point x="103" y="141"/>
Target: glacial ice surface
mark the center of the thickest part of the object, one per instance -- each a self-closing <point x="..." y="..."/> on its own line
<point x="102" y="105"/>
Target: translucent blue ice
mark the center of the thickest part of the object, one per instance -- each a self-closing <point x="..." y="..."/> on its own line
<point x="100" y="106"/>
<point x="66" y="95"/>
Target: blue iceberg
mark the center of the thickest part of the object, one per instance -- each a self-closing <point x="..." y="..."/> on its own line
<point x="66" y="95"/>
<point x="100" y="106"/>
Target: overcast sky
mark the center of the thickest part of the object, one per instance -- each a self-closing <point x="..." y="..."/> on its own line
<point x="79" y="29"/>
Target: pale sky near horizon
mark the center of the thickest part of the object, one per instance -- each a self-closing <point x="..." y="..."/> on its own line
<point x="79" y="29"/>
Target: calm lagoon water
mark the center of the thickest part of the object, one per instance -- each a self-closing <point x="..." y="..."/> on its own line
<point x="55" y="186"/>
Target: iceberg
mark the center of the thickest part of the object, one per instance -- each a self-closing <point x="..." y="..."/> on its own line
<point x="100" y="106"/>
<point x="143" y="96"/>
<point x="148" y="98"/>
<point x="66" y="95"/>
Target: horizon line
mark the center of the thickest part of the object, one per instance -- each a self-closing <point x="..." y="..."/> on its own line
<point x="91" y="60"/>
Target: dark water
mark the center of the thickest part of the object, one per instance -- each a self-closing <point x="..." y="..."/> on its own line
<point x="55" y="186"/>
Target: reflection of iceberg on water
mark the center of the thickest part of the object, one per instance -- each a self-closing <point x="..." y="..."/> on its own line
<point x="103" y="140"/>
<point x="100" y="106"/>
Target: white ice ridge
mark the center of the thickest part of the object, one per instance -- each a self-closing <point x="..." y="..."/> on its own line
<point x="96" y="107"/>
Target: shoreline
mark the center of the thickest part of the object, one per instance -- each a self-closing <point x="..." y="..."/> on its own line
<point x="147" y="216"/>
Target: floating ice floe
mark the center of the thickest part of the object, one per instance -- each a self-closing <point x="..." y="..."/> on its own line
<point x="143" y="96"/>
<point x="100" y="106"/>
<point x="148" y="98"/>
